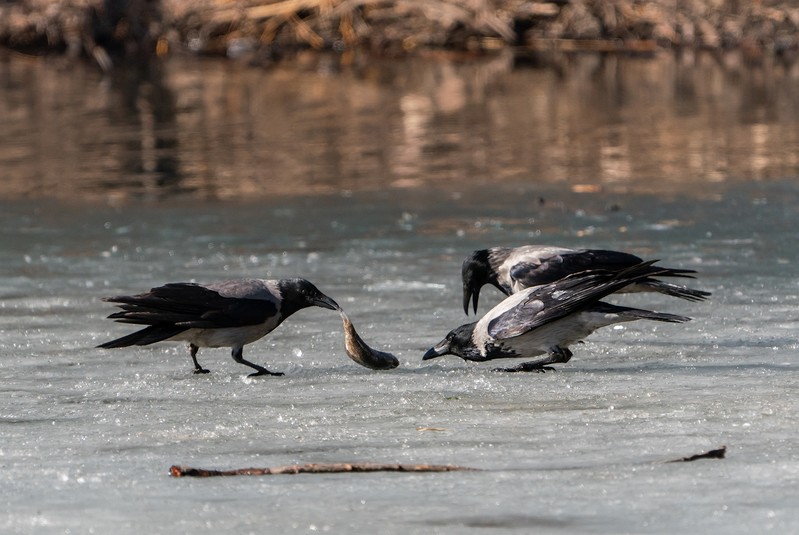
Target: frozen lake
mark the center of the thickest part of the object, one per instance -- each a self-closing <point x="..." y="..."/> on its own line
<point x="88" y="435"/>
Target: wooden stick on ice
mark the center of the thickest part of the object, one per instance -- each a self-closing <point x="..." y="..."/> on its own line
<point x="316" y="468"/>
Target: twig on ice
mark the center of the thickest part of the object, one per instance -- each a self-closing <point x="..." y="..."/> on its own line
<point x="316" y="468"/>
<point x="718" y="453"/>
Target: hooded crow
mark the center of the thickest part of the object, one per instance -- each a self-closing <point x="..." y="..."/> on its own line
<point x="513" y="269"/>
<point x="225" y="314"/>
<point x="547" y="319"/>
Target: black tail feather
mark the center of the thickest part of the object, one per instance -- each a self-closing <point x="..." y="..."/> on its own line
<point x="676" y="272"/>
<point x="638" y="313"/>
<point x="674" y="290"/>
<point x="149" y="335"/>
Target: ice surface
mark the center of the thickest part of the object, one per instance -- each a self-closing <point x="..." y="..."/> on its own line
<point x="88" y="435"/>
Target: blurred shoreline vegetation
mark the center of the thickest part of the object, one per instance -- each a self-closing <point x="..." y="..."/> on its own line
<point x="264" y="32"/>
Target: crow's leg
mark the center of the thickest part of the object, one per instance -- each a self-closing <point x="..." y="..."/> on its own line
<point x="556" y="355"/>
<point x="197" y="368"/>
<point x="238" y="356"/>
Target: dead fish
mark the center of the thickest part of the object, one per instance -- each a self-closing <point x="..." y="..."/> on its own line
<point x="361" y="353"/>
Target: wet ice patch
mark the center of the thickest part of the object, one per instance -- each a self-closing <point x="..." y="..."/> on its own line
<point x="400" y="285"/>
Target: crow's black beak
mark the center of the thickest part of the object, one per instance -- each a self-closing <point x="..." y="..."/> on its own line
<point x="325" y="302"/>
<point x="469" y="295"/>
<point x="442" y="348"/>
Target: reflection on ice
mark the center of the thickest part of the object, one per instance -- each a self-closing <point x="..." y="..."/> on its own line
<point x="669" y="124"/>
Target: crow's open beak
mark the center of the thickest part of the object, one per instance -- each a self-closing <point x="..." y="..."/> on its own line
<point x="468" y="295"/>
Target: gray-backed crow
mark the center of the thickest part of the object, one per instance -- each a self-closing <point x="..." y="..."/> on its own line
<point x="225" y="314"/>
<point x="547" y="319"/>
<point x="513" y="269"/>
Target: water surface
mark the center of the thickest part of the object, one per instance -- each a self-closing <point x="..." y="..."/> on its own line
<point x="218" y="130"/>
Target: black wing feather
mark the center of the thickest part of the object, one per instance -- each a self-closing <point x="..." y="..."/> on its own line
<point x="189" y="305"/>
<point x="566" y="296"/>
<point x="556" y="267"/>
<point x="683" y="292"/>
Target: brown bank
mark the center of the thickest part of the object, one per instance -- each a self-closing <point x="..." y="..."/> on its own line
<point x="265" y="31"/>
